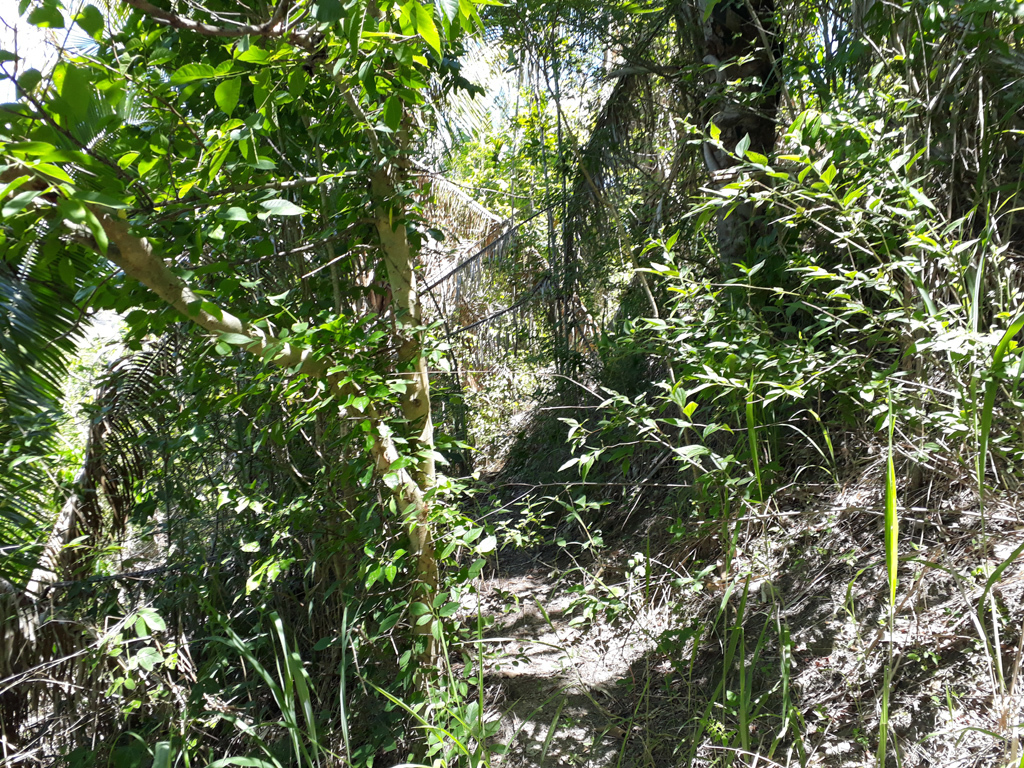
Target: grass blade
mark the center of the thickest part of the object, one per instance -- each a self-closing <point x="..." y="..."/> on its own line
<point x="892" y="527"/>
<point x="752" y="438"/>
<point x="552" y="729"/>
<point x="990" y="399"/>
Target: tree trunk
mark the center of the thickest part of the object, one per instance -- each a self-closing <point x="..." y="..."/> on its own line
<point x="137" y="258"/>
<point x="740" y="43"/>
<point x="398" y="258"/>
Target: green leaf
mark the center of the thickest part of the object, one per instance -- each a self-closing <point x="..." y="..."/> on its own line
<point x="234" y="213"/>
<point x="46" y="17"/>
<point x="393" y="112"/>
<point x="297" y="82"/>
<point x="66" y="270"/>
<point x="254" y="55"/>
<point x="72" y="210"/>
<point x="921" y="198"/>
<point x="243" y="762"/>
<point x="13" y="185"/>
<point x="282" y="207"/>
<point x="127" y="159"/>
<point x="423" y="22"/>
<point x="145" y="166"/>
<point x="329" y="10"/>
<point x="148" y="658"/>
<point x="97" y="198"/>
<point x="192" y="72"/>
<point x="236" y="339"/>
<point x="153" y="619"/>
<point x="989" y="402"/>
<point x="226" y="94"/>
<point x="752" y="438"/>
<point x="262" y="88"/>
<point x="99" y="234"/>
<point x="162" y="755"/>
<point x="54" y="171"/>
<point x="29" y="80"/>
<point x="91" y="21"/>
<point x="743" y="145"/>
<point x="468" y="14"/>
<point x="30" y="148"/>
<point x="211" y="309"/>
<point x="449" y="9"/>
<point x="76" y="90"/>
<point x="19" y="202"/>
<point x="892" y="526"/>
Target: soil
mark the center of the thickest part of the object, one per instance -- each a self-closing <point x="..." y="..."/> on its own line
<point x="616" y="658"/>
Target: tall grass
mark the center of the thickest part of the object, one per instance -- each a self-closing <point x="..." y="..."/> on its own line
<point x="291" y="690"/>
<point x="892" y="533"/>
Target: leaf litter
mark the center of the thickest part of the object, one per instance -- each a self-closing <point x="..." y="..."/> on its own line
<point x="615" y="664"/>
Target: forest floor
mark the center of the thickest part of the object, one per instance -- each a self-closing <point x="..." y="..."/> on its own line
<point x="618" y="660"/>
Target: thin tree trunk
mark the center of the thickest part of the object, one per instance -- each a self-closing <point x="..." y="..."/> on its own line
<point x="55" y="558"/>
<point x="139" y="261"/>
<point x="739" y="38"/>
<point x="398" y="258"/>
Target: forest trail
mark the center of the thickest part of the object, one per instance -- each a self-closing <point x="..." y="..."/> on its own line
<point x="557" y="684"/>
<point x="598" y="693"/>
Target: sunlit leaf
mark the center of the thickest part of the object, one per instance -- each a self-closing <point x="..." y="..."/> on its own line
<point x="226" y="94"/>
<point x="282" y="207"/>
<point x="191" y="72"/>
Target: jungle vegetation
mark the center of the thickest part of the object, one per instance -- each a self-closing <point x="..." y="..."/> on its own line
<point x="379" y="266"/>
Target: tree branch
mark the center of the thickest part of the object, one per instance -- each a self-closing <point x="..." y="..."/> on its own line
<point x="273" y="28"/>
<point x="135" y="255"/>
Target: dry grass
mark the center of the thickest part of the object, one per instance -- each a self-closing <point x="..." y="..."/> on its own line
<point x="634" y="687"/>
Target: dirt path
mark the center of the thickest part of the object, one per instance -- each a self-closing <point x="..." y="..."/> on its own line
<point x="803" y="607"/>
<point x="563" y="687"/>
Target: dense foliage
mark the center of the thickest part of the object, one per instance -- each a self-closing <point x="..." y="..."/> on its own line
<point x="739" y="246"/>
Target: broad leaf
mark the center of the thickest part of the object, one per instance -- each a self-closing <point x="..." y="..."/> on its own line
<point x="449" y="9"/>
<point x="19" y="202"/>
<point x="282" y="207"/>
<point x="236" y="339"/>
<point x="75" y="89"/>
<point x="329" y="10"/>
<point x="46" y="17"/>
<point x="192" y="72"/>
<point x="90" y="19"/>
<point x="234" y="213"/>
<point x="393" y="112"/>
<point x="29" y="80"/>
<point x="226" y="94"/>
<point x="423" y="23"/>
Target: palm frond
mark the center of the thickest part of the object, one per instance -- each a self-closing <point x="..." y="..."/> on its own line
<point x="115" y="459"/>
